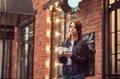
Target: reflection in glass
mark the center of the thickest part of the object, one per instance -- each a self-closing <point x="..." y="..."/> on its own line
<point x="119" y="38"/>
<point x="61" y="26"/>
<point x="119" y="48"/>
<point x="118" y="19"/>
<point x="112" y="21"/>
<point x="26" y="33"/>
<point x="61" y="30"/>
<point x="64" y="31"/>
<point x="60" y="70"/>
<point x="26" y="54"/>
<point x="118" y="55"/>
<point x="119" y="66"/>
<point x="113" y="64"/>
<point x="106" y="63"/>
<point x="112" y="43"/>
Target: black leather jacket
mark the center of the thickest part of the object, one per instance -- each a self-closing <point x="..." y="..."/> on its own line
<point x="78" y="58"/>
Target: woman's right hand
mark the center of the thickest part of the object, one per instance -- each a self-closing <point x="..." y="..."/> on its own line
<point x="60" y="55"/>
<point x="68" y="54"/>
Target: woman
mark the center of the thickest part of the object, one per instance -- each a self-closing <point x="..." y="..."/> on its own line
<point x="74" y="59"/>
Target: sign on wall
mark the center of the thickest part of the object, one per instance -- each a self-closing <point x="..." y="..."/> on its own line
<point x="90" y="38"/>
<point x="70" y="6"/>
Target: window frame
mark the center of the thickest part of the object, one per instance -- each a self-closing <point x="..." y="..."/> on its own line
<point x="26" y="22"/>
<point x="107" y="52"/>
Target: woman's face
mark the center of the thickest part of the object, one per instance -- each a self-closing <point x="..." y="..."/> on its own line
<point x="72" y="29"/>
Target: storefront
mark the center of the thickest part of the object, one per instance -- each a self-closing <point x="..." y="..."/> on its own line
<point x="16" y="39"/>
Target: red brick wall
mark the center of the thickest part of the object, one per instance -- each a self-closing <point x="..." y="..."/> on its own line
<point x="91" y="18"/>
<point x="40" y="40"/>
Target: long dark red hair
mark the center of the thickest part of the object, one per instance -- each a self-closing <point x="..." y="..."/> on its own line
<point x="78" y="27"/>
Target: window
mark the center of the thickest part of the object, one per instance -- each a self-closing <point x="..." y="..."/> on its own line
<point x="111" y="61"/>
<point x="6" y="37"/>
<point x="26" y="51"/>
<point x="64" y="33"/>
<point x="5" y="59"/>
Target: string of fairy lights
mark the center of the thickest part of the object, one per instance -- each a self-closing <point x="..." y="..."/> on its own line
<point x="48" y="36"/>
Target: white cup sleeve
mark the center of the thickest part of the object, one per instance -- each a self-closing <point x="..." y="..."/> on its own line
<point x="60" y="50"/>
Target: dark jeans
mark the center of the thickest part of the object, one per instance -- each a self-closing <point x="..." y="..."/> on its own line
<point x="68" y="74"/>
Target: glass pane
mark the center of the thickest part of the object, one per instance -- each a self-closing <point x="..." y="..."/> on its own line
<point x="26" y="54"/>
<point x="119" y="56"/>
<point x="0" y="56"/>
<point x="67" y="25"/>
<point x="67" y="29"/>
<point x="118" y="62"/>
<point x="118" y="77"/>
<point x="118" y="48"/>
<point x="26" y="33"/>
<point x="61" y="26"/>
<point x="112" y="21"/>
<point x="113" y="64"/>
<point x="119" y="66"/>
<point x="112" y="1"/>
<point x="61" y="31"/>
<point x="106" y="65"/>
<point x="112" y="43"/>
<point x="112" y="77"/>
<point x="68" y="17"/>
<point x="118" y="19"/>
<point x="118" y="38"/>
<point x="106" y="77"/>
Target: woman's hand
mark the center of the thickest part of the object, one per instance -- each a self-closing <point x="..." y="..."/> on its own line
<point x="60" y="55"/>
<point x="68" y="54"/>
